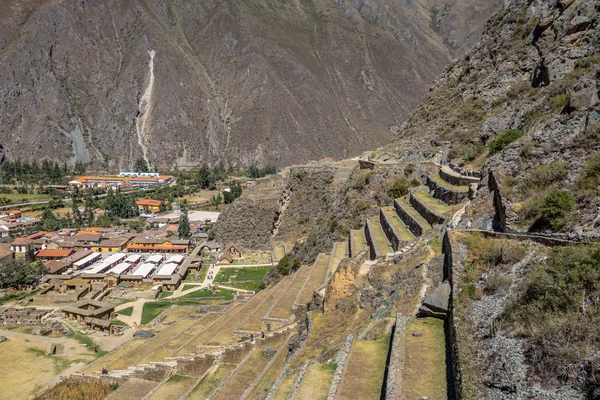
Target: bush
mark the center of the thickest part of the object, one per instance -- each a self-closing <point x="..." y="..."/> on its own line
<point x="544" y="176"/>
<point x="287" y="264"/>
<point x="398" y="189"/>
<point x="409" y="169"/>
<point x="497" y="284"/>
<point x="503" y="140"/>
<point x="561" y="102"/>
<point x="550" y="211"/>
<point x="589" y="178"/>
<point x="557" y="307"/>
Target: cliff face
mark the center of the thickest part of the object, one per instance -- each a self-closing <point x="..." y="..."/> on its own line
<point x="180" y="82"/>
<point x="535" y="73"/>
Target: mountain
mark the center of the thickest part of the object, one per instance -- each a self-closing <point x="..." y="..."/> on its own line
<point x="185" y="82"/>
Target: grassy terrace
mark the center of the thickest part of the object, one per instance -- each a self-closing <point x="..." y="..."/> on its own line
<point x="268" y="379"/>
<point x="283" y="308"/>
<point x="190" y="341"/>
<point x="174" y="387"/>
<point x="286" y="387"/>
<point x="264" y="299"/>
<point x="363" y="375"/>
<point x="207" y="293"/>
<point x="437" y="178"/>
<point x="247" y="278"/>
<point x="317" y="278"/>
<point x="401" y="230"/>
<point x="112" y="357"/>
<point x="425" y="367"/>
<point x="434" y="204"/>
<point x="378" y="236"/>
<point x="209" y="383"/>
<point x="340" y="251"/>
<point x="413" y="213"/>
<point x="316" y="382"/>
<point x="152" y="310"/>
<point x="248" y="372"/>
<point x="359" y="243"/>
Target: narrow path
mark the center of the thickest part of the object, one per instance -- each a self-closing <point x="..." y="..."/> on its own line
<point x="135" y="319"/>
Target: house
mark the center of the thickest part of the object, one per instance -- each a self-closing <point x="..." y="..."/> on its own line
<point x="89" y="309"/>
<point x="49" y="255"/>
<point x="160" y="244"/>
<point x="110" y="245"/>
<point x="232" y="250"/>
<point x="168" y="282"/>
<point x="150" y="205"/>
<point x="22" y="247"/>
<point x="57" y="267"/>
<point x="6" y="253"/>
<point x="211" y="246"/>
<point x="226" y="258"/>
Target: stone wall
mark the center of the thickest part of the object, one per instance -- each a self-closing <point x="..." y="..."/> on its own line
<point x="393" y="385"/>
<point x="197" y="365"/>
<point x="370" y="242"/>
<point x="343" y="282"/>
<point x="458" y="180"/>
<point x="341" y="364"/>
<point x="412" y="224"/>
<point x="389" y="230"/>
<point x="430" y="216"/>
<point x="270" y="324"/>
<point x="153" y="372"/>
<point x="443" y="193"/>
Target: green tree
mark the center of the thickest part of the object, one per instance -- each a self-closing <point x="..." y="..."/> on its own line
<point x="88" y="212"/>
<point x="49" y="221"/>
<point x="184" y="226"/>
<point x="216" y="201"/>
<point x="141" y="165"/>
<point x="19" y="275"/>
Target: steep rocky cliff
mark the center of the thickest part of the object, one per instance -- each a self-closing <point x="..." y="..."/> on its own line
<point x="182" y="82"/>
<point x="523" y="103"/>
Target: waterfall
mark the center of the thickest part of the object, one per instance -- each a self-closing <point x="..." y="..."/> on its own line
<point x="144" y="110"/>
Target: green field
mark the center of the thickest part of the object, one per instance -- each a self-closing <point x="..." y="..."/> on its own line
<point x="247" y="278"/>
<point x="126" y="311"/>
<point x="165" y="294"/>
<point x="152" y="310"/>
<point x="24" y="198"/>
<point x="207" y="293"/>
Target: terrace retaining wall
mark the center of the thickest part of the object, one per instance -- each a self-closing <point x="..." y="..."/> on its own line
<point x="415" y="227"/>
<point x="389" y="230"/>
<point x="443" y="193"/>
<point x="427" y="213"/>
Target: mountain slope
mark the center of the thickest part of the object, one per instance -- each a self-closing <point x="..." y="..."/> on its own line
<point x="183" y="82"/>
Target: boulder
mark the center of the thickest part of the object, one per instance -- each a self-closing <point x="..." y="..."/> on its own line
<point x="2" y="338"/>
<point x="436" y="303"/>
<point x="143" y="334"/>
<point x="269" y="352"/>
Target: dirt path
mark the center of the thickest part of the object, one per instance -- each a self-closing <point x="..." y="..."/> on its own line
<point x="135" y="318"/>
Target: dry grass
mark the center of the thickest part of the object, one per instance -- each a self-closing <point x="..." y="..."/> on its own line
<point x="379" y="237"/>
<point x="111" y="357"/>
<point x="209" y="383"/>
<point x="317" y="278"/>
<point x="133" y="389"/>
<point x="283" y="308"/>
<point x="340" y="251"/>
<point x="316" y="382"/>
<point x="247" y="372"/>
<point x="286" y="387"/>
<point x="253" y="319"/>
<point x="192" y="335"/>
<point x="435" y="204"/>
<point x="401" y="230"/>
<point x="413" y="213"/>
<point x="174" y="387"/>
<point x="266" y="382"/>
<point x="278" y="251"/>
<point x="461" y="188"/>
<point x="359" y="243"/>
<point x="78" y="391"/>
<point x="363" y="375"/>
<point x="425" y="365"/>
<point x="18" y="366"/>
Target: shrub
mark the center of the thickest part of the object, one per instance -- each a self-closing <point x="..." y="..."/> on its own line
<point x="503" y="140"/>
<point x="561" y="102"/>
<point x="409" y="169"/>
<point x="545" y="175"/>
<point x="550" y="211"/>
<point x="589" y="178"/>
<point x="497" y="284"/>
<point x="556" y="306"/>
<point x="398" y="189"/>
<point x="287" y="264"/>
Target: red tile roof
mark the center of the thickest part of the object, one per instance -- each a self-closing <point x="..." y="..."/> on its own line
<point x="54" y="253"/>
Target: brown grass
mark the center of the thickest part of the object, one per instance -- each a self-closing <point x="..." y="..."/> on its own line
<point x="286" y="387"/>
<point x="317" y="278"/>
<point x="363" y="375"/>
<point x="253" y="320"/>
<point x="283" y="308"/>
<point x="174" y="387"/>
<point x="209" y="383"/>
<point x="381" y="240"/>
<point x="316" y="382"/>
<point x="19" y="366"/>
<point x="111" y="357"/>
<point x="425" y="365"/>
<point x="340" y="251"/>
<point x="78" y="391"/>
<point x="266" y="382"/>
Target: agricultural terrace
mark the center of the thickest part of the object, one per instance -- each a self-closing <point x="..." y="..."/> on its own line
<point x="246" y="278"/>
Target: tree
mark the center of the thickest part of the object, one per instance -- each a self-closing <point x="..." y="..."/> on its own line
<point x="216" y="201"/>
<point x="88" y="213"/>
<point x="184" y="226"/>
<point x="141" y="165"/>
<point x="49" y="221"/>
<point x="18" y="274"/>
